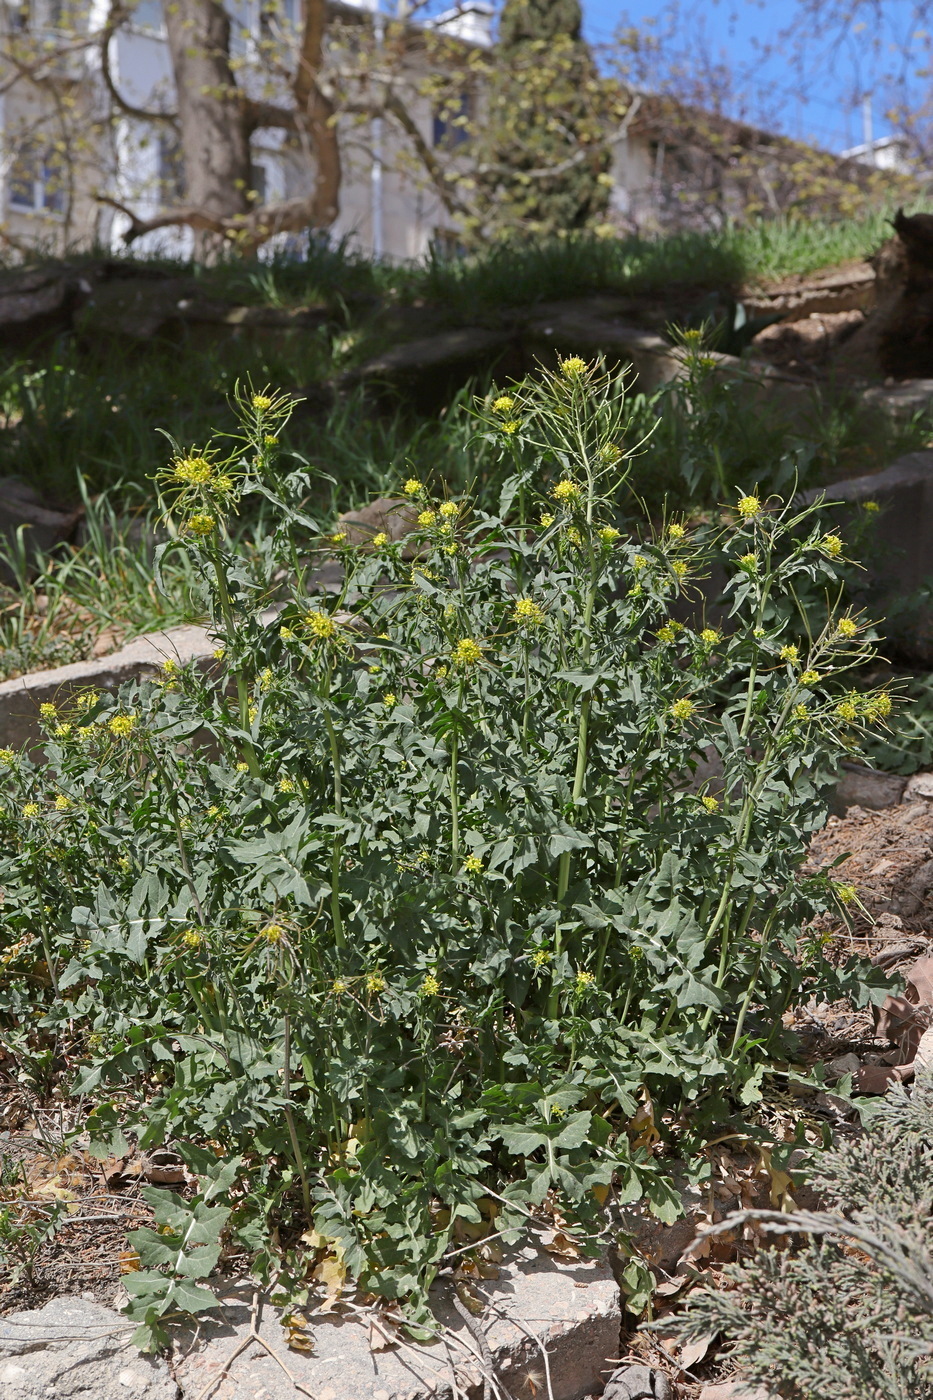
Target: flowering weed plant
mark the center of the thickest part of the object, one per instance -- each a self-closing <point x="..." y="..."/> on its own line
<point x="396" y="916"/>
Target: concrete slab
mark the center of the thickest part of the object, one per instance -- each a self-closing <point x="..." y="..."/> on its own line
<point x="540" y="1317"/>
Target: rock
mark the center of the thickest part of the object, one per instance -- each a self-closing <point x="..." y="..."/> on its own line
<point x="638" y="1383"/>
<point x="734" y="1390"/>
<point x="20" y="698"/>
<point x="45" y="525"/>
<point x="392" y="516"/>
<point x="903" y="400"/>
<point x="429" y="368"/>
<point x="847" y="288"/>
<point x="841" y="1066"/>
<point x="859" y="786"/>
<point x="571" y="1309"/>
<point x="75" y="1348"/>
<point x="575" y="329"/>
<point x="920" y="786"/>
<point x="135" y="308"/>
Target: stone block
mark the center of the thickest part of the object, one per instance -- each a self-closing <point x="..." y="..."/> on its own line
<point x="859" y="786"/>
<point x="570" y="1311"/>
<point x="74" y="1349"/>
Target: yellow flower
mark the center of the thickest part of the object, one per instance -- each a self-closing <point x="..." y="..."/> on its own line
<point x="31" y="809"/>
<point x="809" y="677"/>
<point x="574" y="536"/>
<point x="682" y="710"/>
<point x="441" y="673"/>
<point x="473" y="865"/>
<point x="286" y="785"/>
<point x="338" y="537"/>
<point x="790" y="654"/>
<point x="223" y="485"/>
<point x="122" y="726"/>
<point x="503" y="404"/>
<point x="583" y="982"/>
<point x="870" y="507"/>
<point x="192" y="938"/>
<point x="749" y="507"/>
<point x="426" y="519"/>
<point x="286" y="634"/>
<point x="680" y="568"/>
<point x="511" y="426"/>
<point x="430" y="987"/>
<point x="449" y="510"/>
<point x="609" y="534"/>
<point x="609" y="452"/>
<point x="170" y="668"/>
<point x="527" y="613"/>
<point x="321" y="624"/>
<point x="847" y="710"/>
<point x="219" y="653"/>
<point x="213" y="812"/>
<point x="639" y="562"/>
<point x="270" y="440"/>
<point x="748" y="563"/>
<point x="193" y="471"/>
<point x="668" y="633"/>
<point x="879" y="706"/>
<point x="846" y="894"/>
<point x="540" y="957"/>
<point x="61" y="731"/>
<point x="547" y="520"/>
<point x="242" y="768"/>
<point x="566" y="491"/>
<point x="450" y="549"/>
<point x="375" y="982"/>
<point x="801" y="712"/>
<point x="201" y="524"/>
<point x="380" y="540"/>
<point x="62" y="803"/>
<point x="573" y="367"/>
<point x="261" y="403"/>
<point x="389" y="700"/>
<point x="272" y="933"/>
<point x="832" y="545"/>
<point x="709" y="636"/>
<point x="266" y="679"/>
<point x="710" y="803"/>
<point x="467" y="652"/>
<point x="847" y="627"/>
<point x="253" y="713"/>
<point x="676" y="531"/>
<point x="88" y="700"/>
<point x="48" y="712"/>
<point x="7" y="755"/>
<point x="412" y="487"/>
<point x="338" y="987"/>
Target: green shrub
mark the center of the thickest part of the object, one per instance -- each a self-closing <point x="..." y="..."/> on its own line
<point x="404" y="907"/>
<point x="848" y="1315"/>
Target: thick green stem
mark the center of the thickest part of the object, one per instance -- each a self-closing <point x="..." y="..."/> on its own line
<point x="336" y="917"/>
<point x="750" y="991"/>
<point x="242" y="686"/>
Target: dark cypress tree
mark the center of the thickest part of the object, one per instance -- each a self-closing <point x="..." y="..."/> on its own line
<point x="544" y="142"/>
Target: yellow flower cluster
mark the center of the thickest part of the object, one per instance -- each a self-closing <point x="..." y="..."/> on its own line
<point x="668" y="632"/>
<point x="710" y="803"/>
<point x="749" y="507"/>
<point x="682" y="710"/>
<point x="609" y="534"/>
<point x="467" y="652"/>
<point x="62" y="803"/>
<point x="790" y="654"/>
<point x="122" y="726"/>
<point x="566" y="491"/>
<point x="201" y="525"/>
<point x="375" y="982"/>
<point x="540" y="957"/>
<point x="413" y="487"/>
<point x="273" y="933"/>
<point x="473" y="865"/>
<point x="449" y="510"/>
<point x="193" y="471"/>
<point x="846" y="894"/>
<point x="528" y="613"/>
<point x="801" y="712"/>
<point x="709" y="636"/>
<point x="676" y="531"/>
<point x="380" y="540"/>
<point x="7" y="755"/>
<point x="286" y="785"/>
<point x="583" y="982"/>
<point x="320" y="624"/>
<point x="192" y="938"/>
<point x="573" y="367"/>
<point x="262" y="403"/>
<point x="503" y="404"/>
<point x="748" y="563"/>
<point x="809" y="677"/>
<point x="426" y="519"/>
<point x="31" y="809"/>
<point x="847" y="627"/>
<point x="390" y="700"/>
<point x="48" y="712"/>
<point x="847" y="710"/>
<point x="680" y="569"/>
<point x="547" y="520"/>
<point x="430" y="987"/>
<point x="832" y="545"/>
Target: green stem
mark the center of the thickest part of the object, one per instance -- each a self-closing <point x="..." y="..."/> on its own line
<point x="242" y="686"/>
<point x="455" y="791"/>
<point x="750" y="991"/>
<point x="290" y="1120"/>
<point x="336" y="917"/>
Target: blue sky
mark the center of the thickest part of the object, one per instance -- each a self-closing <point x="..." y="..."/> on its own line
<point x="829" y="112"/>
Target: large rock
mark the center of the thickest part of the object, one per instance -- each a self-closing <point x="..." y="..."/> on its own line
<point x="571" y="1311"/>
<point x="73" y="1349"/>
<point x="45" y="526"/>
<point x="428" y="370"/>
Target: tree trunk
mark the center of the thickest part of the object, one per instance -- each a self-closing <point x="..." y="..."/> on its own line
<point x="211" y="116"/>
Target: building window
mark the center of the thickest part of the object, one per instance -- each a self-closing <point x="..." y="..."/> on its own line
<point x="276" y="15"/>
<point x="258" y="181"/>
<point x="147" y="15"/>
<point x="36" y="181"/>
<point x="451" y="123"/>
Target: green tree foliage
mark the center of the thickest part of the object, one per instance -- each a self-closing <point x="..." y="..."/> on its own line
<point x="544" y="156"/>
